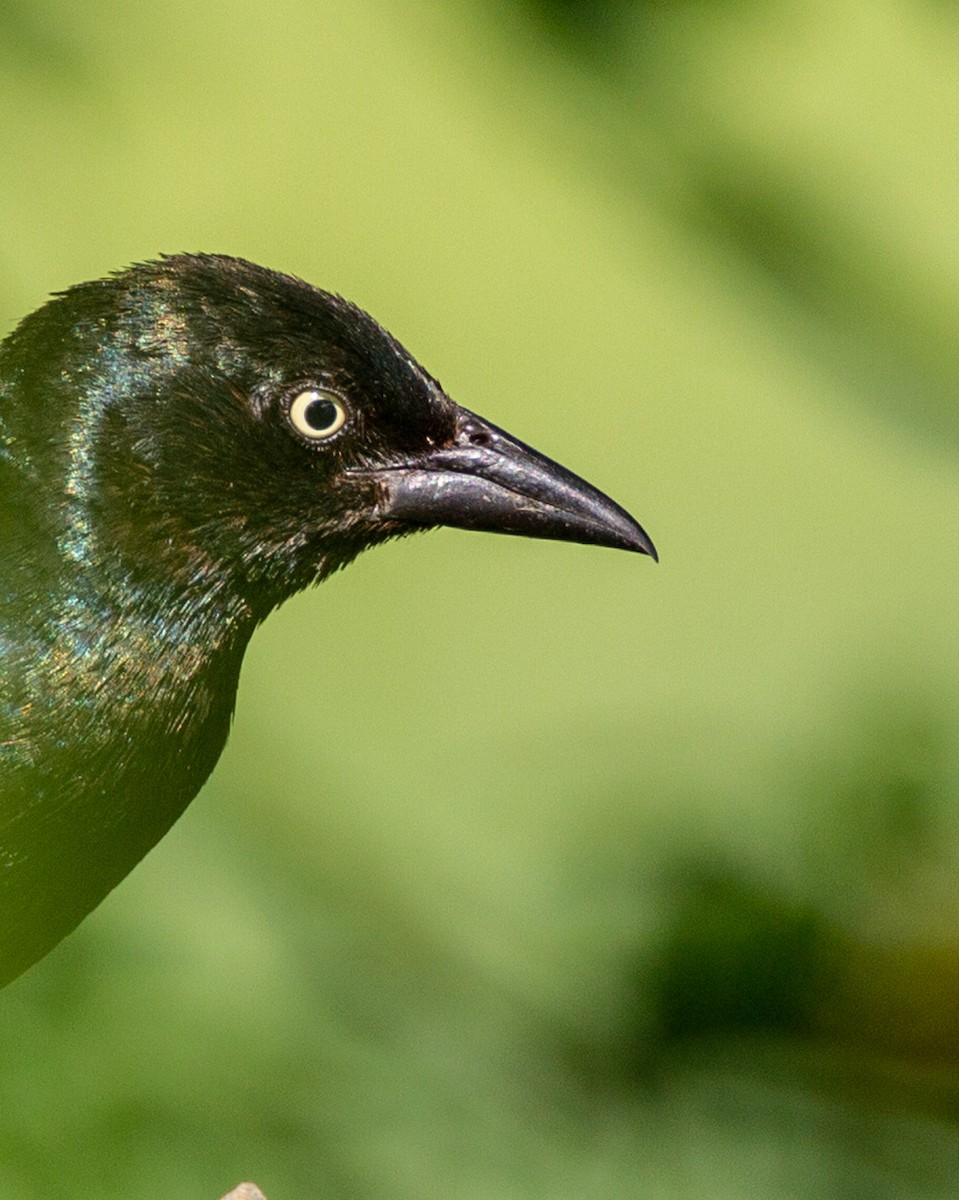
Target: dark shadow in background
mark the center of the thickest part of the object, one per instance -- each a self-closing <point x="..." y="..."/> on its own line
<point x="791" y="981"/>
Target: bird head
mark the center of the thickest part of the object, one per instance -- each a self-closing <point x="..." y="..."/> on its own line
<point x="213" y="421"/>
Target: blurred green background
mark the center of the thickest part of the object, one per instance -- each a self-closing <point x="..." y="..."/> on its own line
<point x="533" y="870"/>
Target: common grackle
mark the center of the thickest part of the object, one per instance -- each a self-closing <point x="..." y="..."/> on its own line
<point x="183" y="445"/>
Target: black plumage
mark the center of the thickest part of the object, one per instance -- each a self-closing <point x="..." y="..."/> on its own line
<point x="183" y="446"/>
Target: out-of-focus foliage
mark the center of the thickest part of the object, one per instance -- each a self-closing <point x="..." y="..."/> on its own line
<point x="533" y="870"/>
<point x="30" y="41"/>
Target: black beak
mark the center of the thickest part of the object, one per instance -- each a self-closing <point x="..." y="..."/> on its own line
<point x="488" y="480"/>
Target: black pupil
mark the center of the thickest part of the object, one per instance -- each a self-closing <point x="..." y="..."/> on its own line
<point x="320" y="414"/>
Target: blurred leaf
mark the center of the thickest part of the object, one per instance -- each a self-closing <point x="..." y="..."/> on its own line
<point x="590" y="29"/>
<point x="31" y="40"/>
<point x="740" y="960"/>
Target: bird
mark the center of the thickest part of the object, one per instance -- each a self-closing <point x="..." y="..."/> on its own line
<point x="184" y="444"/>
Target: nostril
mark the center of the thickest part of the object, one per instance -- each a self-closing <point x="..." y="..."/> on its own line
<point x="479" y="437"/>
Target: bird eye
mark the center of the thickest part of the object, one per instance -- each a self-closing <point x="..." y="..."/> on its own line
<point x="316" y="415"/>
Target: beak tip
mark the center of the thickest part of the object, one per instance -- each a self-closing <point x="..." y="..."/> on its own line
<point x="642" y="543"/>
